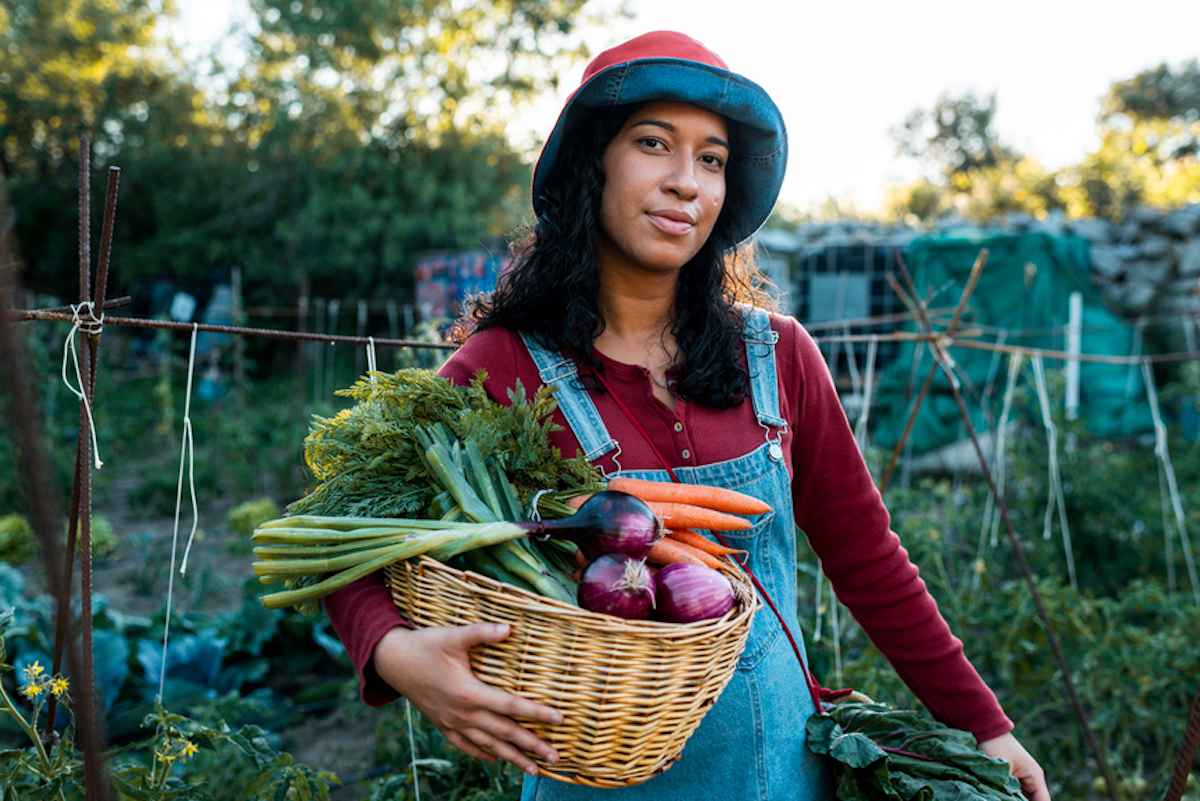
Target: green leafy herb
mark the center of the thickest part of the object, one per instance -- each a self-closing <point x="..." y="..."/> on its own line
<point x="885" y="754"/>
<point x="368" y="460"/>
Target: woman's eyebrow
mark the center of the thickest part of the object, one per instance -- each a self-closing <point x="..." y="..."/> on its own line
<point x="712" y="140"/>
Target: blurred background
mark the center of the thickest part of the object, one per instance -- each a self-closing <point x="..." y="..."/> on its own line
<point x="360" y="166"/>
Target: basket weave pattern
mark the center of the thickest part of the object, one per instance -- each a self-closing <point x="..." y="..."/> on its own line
<point x="630" y="692"/>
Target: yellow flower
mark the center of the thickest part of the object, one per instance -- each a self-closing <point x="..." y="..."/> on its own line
<point x="59" y="685"/>
<point x="33" y="689"/>
<point x="34" y="670"/>
<point x="189" y="748"/>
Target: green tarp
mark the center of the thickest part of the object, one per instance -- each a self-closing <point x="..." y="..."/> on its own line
<point x="1025" y="289"/>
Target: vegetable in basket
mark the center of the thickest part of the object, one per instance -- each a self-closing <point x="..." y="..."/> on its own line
<point x="688" y="593"/>
<point x="615" y="584"/>
<point x="352" y="547"/>
<point x="421" y="467"/>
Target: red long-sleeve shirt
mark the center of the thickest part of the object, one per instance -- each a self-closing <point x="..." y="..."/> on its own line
<point x="835" y="498"/>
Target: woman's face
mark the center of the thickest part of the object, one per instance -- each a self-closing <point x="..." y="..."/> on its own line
<point x="664" y="185"/>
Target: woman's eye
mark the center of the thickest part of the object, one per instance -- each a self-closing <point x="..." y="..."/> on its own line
<point x="715" y="161"/>
<point x="650" y="140"/>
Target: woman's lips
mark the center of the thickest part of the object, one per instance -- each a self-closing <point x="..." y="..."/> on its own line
<point x="669" y="226"/>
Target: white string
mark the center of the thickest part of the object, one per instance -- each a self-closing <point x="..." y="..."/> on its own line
<point x="994" y="367"/>
<point x="1164" y="508"/>
<point x="93" y="326"/>
<point x="187" y="429"/>
<point x="1055" y="496"/>
<point x="371" y="357"/>
<point x="534" y="514"/>
<point x="1164" y="458"/>
<point x="185" y="452"/>
<point x="991" y="514"/>
<point x="412" y="749"/>
<point x="864" y="414"/>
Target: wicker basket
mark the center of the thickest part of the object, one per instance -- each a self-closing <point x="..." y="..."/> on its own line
<point x="631" y="692"/>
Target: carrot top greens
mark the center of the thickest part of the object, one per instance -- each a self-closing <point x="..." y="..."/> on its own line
<point x="367" y="459"/>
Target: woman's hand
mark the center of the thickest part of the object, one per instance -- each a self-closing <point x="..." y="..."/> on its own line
<point x="431" y="668"/>
<point x="1022" y="765"/>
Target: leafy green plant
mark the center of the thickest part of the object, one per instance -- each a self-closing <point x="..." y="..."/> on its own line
<point x="1128" y="639"/>
<point x="161" y="767"/>
<point x="883" y="753"/>
<point x="444" y="772"/>
<point x="247" y="516"/>
<point x="17" y="541"/>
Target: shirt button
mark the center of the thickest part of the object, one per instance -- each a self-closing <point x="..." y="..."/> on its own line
<point x="678" y="426"/>
<point x="686" y="454"/>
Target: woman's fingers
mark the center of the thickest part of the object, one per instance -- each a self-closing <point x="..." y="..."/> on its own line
<point x="501" y="749"/>
<point x="467" y="747"/>
<point x="468" y="636"/>
<point x="505" y="730"/>
<point x="512" y="706"/>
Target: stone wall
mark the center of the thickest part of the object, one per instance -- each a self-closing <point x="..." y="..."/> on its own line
<point x="1145" y="265"/>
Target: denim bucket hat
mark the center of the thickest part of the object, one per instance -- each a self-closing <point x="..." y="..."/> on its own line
<point x="666" y="65"/>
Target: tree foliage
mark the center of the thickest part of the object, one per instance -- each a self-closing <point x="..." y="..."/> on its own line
<point x="351" y="138"/>
<point x="1149" y="153"/>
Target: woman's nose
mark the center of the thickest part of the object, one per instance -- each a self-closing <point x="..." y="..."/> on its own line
<point x="681" y="180"/>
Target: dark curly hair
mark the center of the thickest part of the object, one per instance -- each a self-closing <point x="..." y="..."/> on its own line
<point x="550" y="289"/>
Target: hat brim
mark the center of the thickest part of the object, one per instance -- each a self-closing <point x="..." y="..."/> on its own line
<point x="758" y="161"/>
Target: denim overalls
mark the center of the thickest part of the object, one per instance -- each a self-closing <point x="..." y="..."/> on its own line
<point x="751" y="744"/>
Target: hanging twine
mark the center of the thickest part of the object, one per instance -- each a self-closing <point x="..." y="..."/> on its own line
<point x="868" y="391"/>
<point x="1168" y="471"/>
<point x="1055" y="496"/>
<point x="371" y="358"/>
<point x="93" y="326"/>
<point x="412" y="749"/>
<point x="185" y="454"/>
<point x="991" y="511"/>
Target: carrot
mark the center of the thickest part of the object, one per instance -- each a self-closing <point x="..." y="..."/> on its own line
<point x="700" y="542"/>
<point x="718" y="498"/>
<point x="683" y="515"/>
<point x="668" y="551"/>
<point x="578" y="500"/>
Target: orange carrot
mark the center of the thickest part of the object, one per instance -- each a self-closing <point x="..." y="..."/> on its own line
<point x="668" y="551"/>
<point x="719" y="498"/>
<point x="684" y="515"/>
<point x="578" y="500"/>
<point x="700" y="542"/>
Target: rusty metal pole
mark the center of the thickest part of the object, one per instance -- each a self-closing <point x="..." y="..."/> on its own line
<point x="45" y="509"/>
<point x="910" y="300"/>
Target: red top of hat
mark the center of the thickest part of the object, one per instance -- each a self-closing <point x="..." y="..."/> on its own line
<point x="655" y="44"/>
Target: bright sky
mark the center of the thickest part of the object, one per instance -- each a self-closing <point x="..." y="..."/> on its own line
<point x="844" y="73"/>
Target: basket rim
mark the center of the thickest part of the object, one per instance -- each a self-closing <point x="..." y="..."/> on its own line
<point x="746" y="603"/>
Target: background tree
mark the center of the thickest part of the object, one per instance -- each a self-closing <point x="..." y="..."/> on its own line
<point x="351" y="138"/>
<point x="1149" y="149"/>
<point x="956" y="136"/>
<point x="1149" y="152"/>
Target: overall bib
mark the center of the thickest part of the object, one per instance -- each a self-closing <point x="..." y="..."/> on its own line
<point x="751" y="744"/>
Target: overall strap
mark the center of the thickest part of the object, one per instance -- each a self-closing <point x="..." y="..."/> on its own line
<point x="760" y="361"/>
<point x="560" y="373"/>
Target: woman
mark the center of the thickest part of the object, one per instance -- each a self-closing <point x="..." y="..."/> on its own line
<point x="660" y="164"/>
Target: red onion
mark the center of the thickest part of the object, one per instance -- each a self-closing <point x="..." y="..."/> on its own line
<point x="616" y="585"/>
<point x="687" y="593"/>
<point x="609" y="522"/>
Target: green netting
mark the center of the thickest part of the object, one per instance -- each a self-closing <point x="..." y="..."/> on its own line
<point x="1025" y="288"/>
